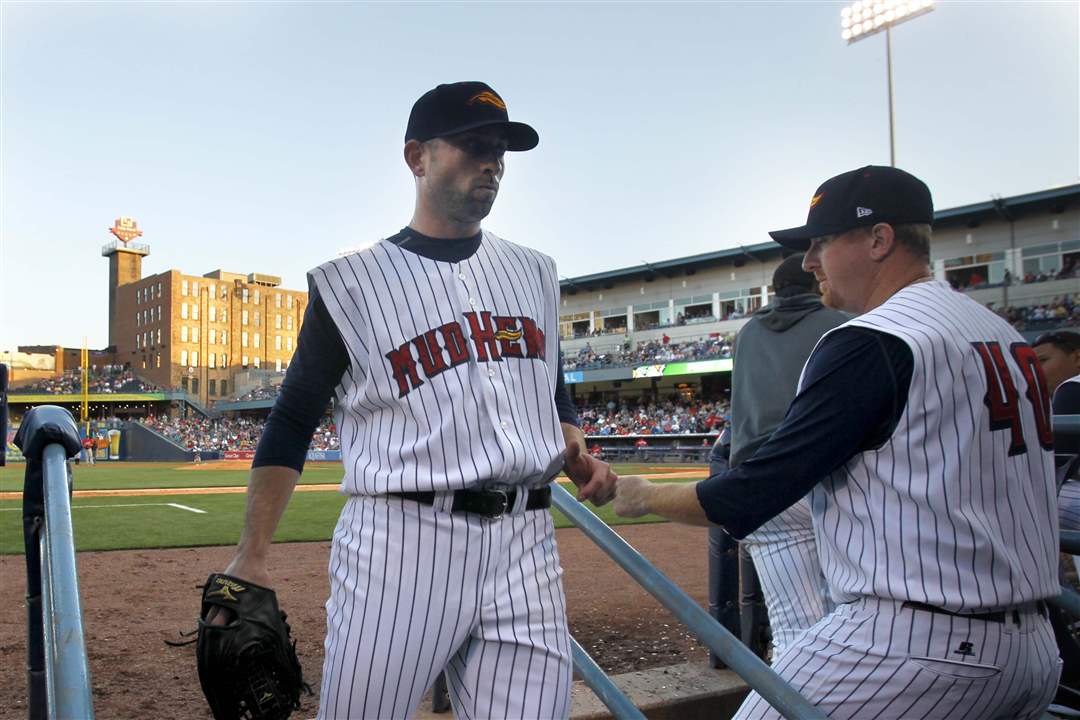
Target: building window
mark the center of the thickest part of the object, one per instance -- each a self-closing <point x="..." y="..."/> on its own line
<point x="183" y="383"/>
<point x="159" y="313"/>
<point x="243" y="317"/>
<point x="183" y="358"/>
<point x="277" y="364"/>
<point x="145" y="338"/>
<point x="223" y="340"/>
<point x="183" y="333"/>
<point x="277" y="300"/>
<point x="194" y="358"/>
<point x="159" y="289"/>
<point x="213" y="337"/>
<point x="224" y="362"/>
<point x="257" y="318"/>
<point x="244" y="295"/>
<point x="138" y="297"/>
<point x="288" y="324"/>
<point x="138" y="319"/>
<point x="256" y="338"/>
<point x="211" y="360"/>
<point x="157" y="360"/>
<point x="194" y="386"/>
<point x="195" y="289"/>
<point x="243" y="361"/>
<point x="213" y="313"/>
<point x="277" y="321"/>
<point x="224" y="391"/>
<point x="289" y="301"/>
<point x="183" y="311"/>
<point x="159" y="336"/>
<point x="243" y="339"/>
<point x="194" y="311"/>
<point x="144" y="363"/>
<point x="255" y="297"/>
<point x="195" y="334"/>
<point x="184" y="287"/>
<point x="224" y="315"/>
<point x="138" y="340"/>
<point x="213" y="390"/>
<point x="288" y="344"/>
<point x="277" y="342"/>
<point x="255" y="361"/>
<point x="224" y="291"/>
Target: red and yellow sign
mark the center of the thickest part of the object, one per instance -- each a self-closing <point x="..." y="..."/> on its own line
<point x="125" y="229"/>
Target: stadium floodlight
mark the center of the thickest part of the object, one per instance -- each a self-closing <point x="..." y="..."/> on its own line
<point x="864" y="18"/>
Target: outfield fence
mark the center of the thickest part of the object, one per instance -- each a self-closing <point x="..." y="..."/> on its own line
<point x="57" y="671"/>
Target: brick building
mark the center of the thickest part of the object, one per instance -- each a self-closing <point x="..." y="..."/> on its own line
<point x="197" y="333"/>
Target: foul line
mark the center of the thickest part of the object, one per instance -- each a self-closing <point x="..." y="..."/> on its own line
<point x="178" y="506"/>
<point x="322" y="487"/>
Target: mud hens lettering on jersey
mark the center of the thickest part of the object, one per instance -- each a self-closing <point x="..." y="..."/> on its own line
<point x="493" y="337"/>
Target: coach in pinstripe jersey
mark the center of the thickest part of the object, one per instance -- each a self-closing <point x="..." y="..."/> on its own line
<point x="921" y="430"/>
<point x="440" y="346"/>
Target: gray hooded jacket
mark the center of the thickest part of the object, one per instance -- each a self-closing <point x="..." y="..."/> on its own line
<point x="770" y="353"/>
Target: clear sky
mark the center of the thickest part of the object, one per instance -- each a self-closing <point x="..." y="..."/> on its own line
<point x="264" y="137"/>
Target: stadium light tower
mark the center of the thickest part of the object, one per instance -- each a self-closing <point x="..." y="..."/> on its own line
<point x="864" y="18"/>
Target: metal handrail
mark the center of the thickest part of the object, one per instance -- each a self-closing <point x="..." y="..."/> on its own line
<point x="68" y="683"/>
<point x="727" y="647"/>
<point x="57" y="668"/>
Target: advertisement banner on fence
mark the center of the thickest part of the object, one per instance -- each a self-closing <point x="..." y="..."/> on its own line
<point x="324" y="456"/>
<point x="238" y="455"/>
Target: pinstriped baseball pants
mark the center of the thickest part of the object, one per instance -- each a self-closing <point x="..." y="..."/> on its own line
<point x="877" y="660"/>
<point x="415" y="589"/>
<point x="788" y="566"/>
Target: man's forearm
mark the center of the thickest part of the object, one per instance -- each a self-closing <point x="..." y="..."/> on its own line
<point x="573" y="432"/>
<point x="678" y="502"/>
<point x="269" y="490"/>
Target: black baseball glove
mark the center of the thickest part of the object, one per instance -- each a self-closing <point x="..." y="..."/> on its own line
<point x="248" y="666"/>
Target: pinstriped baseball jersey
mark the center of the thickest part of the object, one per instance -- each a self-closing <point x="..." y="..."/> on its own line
<point x="452" y="367"/>
<point x="957" y="509"/>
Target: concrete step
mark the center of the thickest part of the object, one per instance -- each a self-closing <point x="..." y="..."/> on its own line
<point x="690" y="691"/>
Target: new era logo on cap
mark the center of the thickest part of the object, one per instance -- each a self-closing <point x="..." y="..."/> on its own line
<point x="860" y="198"/>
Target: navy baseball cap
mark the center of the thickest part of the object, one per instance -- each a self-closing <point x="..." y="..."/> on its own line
<point x="457" y="107"/>
<point x="861" y="198"/>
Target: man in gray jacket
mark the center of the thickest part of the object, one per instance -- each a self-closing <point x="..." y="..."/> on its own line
<point x="770" y="352"/>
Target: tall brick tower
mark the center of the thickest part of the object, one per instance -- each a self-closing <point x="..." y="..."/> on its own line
<point x="125" y="265"/>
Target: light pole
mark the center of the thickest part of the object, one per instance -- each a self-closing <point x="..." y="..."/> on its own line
<point x="864" y="18"/>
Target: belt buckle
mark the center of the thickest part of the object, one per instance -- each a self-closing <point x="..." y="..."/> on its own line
<point x="503" y="503"/>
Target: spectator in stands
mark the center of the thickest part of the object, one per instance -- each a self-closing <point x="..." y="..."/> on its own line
<point x="770" y="352"/>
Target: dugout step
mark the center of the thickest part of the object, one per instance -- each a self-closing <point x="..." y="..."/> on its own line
<point x="689" y="691"/>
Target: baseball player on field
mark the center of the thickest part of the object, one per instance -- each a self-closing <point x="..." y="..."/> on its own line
<point x="440" y="345"/>
<point x="921" y="430"/>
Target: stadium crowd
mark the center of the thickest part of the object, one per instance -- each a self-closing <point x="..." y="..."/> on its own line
<point x="110" y="379"/>
<point x="1060" y="311"/>
<point x="651" y="352"/>
<point x="230" y="433"/>
<point x="648" y="418"/>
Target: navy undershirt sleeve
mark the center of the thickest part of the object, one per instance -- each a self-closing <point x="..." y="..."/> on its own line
<point x="854" y="394"/>
<point x="1067" y="399"/>
<point x="563" y="403"/>
<point x="316" y="369"/>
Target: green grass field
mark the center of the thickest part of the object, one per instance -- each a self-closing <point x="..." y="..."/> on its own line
<point x="149" y="521"/>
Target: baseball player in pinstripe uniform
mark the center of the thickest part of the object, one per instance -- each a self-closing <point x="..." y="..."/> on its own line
<point x="440" y="345"/>
<point x="921" y="430"/>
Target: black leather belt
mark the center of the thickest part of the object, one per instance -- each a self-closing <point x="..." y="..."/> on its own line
<point x="491" y="504"/>
<point x="998" y="616"/>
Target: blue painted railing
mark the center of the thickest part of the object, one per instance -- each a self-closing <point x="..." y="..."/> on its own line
<point x="727" y="647"/>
